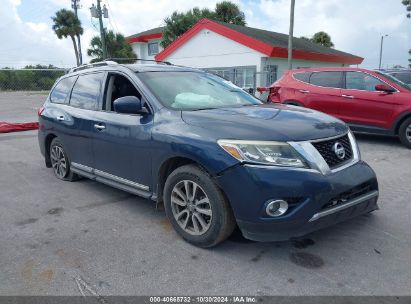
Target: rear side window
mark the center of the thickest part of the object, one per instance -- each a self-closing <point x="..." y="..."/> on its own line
<point x="304" y="77"/>
<point x="86" y="91"/>
<point x="327" y="79"/>
<point x="61" y="90"/>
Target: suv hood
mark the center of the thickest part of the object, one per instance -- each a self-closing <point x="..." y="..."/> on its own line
<point x="266" y="122"/>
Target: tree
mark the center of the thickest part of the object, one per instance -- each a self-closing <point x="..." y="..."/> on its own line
<point x="407" y="4"/>
<point x="322" y="38"/>
<point x="178" y="23"/>
<point x="229" y="12"/>
<point x="66" y="24"/>
<point x="409" y="60"/>
<point x="117" y="47"/>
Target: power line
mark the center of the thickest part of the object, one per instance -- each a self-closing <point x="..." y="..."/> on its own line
<point x="112" y="16"/>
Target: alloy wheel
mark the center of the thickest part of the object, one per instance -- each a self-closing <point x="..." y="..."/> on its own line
<point x="58" y="161"/>
<point x="191" y="207"/>
<point x="408" y="133"/>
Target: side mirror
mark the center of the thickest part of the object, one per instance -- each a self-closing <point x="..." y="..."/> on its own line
<point x="129" y="105"/>
<point x="384" y="88"/>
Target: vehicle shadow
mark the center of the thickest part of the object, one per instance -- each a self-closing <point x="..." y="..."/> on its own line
<point x="379" y="139"/>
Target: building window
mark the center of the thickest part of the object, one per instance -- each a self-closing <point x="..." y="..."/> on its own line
<point x="244" y="77"/>
<point x="271" y="74"/>
<point x="152" y="48"/>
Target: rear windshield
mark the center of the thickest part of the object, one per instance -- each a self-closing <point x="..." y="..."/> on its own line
<point x="195" y="90"/>
<point x="394" y="80"/>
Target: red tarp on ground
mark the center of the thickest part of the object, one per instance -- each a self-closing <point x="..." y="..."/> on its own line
<point x="6" y="127"/>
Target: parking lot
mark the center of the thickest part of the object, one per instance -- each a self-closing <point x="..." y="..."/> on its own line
<point x="62" y="238"/>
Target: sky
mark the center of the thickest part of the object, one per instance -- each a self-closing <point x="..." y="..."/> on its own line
<point x="355" y="26"/>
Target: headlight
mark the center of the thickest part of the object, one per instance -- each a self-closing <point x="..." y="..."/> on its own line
<point x="263" y="152"/>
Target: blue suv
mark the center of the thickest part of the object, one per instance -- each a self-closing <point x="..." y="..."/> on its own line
<point x="216" y="156"/>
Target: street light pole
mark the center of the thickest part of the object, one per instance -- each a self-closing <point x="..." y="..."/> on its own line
<point x="290" y="36"/>
<point x="382" y="42"/>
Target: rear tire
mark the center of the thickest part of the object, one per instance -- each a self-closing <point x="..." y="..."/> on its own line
<point x="404" y="132"/>
<point x="197" y="208"/>
<point x="60" y="161"/>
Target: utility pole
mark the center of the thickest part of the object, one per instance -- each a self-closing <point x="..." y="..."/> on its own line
<point x="99" y="13"/>
<point x="382" y="42"/>
<point x="290" y="36"/>
<point x="75" y="5"/>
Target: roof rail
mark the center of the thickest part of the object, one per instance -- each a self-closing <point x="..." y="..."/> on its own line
<point x="138" y="59"/>
<point x="92" y="65"/>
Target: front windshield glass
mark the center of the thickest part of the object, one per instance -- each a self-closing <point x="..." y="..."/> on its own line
<point x="195" y="90"/>
<point x="395" y="80"/>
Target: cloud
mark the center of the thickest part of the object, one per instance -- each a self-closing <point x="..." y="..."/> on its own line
<point x="355" y="26"/>
<point x="27" y="42"/>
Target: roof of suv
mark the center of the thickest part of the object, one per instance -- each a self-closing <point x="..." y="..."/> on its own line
<point x="138" y="68"/>
<point x="156" y="67"/>
<point x="331" y="69"/>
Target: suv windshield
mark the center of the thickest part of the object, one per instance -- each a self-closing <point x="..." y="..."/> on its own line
<point x="395" y="80"/>
<point x="195" y="90"/>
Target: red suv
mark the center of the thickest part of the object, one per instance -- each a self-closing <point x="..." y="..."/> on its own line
<point x="369" y="101"/>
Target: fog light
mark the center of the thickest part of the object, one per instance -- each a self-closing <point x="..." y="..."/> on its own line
<point x="276" y="208"/>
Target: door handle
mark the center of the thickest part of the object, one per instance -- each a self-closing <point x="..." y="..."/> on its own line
<point x="60" y="118"/>
<point x="99" y="127"/>
<point x="304" y="91"/>
<point x="347" y="96"/>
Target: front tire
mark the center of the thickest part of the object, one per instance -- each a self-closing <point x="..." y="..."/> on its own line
<point x="197" y="208"/>
<point x="60" y="162"/>
<point x="404" y="132"/>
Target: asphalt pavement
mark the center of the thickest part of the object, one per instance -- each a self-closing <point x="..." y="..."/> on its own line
<point x="73" y="238"/>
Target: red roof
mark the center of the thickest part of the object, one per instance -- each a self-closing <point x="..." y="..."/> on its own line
<point x="269" y="43"/>
<point x="154" y="33"/>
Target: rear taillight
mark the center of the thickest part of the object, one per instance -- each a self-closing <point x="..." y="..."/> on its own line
<point x="40" y="111"/>
<point x="261" y="90"/>
<point x="274" y="94"/>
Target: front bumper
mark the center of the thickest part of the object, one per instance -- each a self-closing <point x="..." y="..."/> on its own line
<point x="249" y="188"/>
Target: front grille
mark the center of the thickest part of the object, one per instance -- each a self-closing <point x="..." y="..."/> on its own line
<point x="326" y="149"/>
<point x="348" y="195"/>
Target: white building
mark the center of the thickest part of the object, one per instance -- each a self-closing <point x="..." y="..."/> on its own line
<point x="146" y="44"/>
<point x="249" y="57"/>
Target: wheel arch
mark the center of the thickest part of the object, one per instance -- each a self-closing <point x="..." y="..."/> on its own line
<point x="293" y="102"/>
<point x="168" y="166"/>
<point x="400" y="120"/>
<point x="47" y="142"/>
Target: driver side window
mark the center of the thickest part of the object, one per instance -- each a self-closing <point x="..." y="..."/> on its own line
<point x="361" y="81"/>
<point x="118" y="86"/>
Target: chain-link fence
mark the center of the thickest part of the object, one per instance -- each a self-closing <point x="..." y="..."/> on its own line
<point x="28" y="79"/>
<point x="247" y="77"/>
<point x="248" y="80"/>
<point x="43" y="79"/>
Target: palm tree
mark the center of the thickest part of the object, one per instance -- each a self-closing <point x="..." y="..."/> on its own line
<point x="117" y="47"/>
<point x="323" y="38"/>
<point x="66" y="24"/>
<point x="229" y="12"/>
